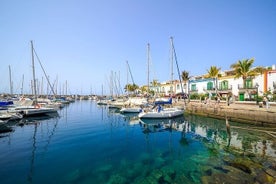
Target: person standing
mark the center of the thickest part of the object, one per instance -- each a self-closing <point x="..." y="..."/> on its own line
<point x="266" y="102"/>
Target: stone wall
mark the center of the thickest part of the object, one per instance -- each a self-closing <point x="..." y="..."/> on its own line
<point x="238" y="113"/>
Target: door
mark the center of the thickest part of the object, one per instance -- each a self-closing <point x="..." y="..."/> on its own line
<point x="241" y="97"/>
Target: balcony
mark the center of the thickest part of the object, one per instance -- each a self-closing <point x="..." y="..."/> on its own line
<point x="225" y="89"/>
<point x="248" y="88"/>
<point x="195" y="90"/>
<point x="209" y="90"/>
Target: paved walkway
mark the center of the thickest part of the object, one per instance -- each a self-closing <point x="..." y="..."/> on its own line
<point x="252" y="107"/>
<point x="236" y="105"/>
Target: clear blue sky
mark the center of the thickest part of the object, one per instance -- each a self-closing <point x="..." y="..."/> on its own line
<point x="83" y="41"/>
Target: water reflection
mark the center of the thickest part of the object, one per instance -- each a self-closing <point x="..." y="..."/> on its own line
<point x="103" y="146"/>
<point x="159" y="125"/>
<point x="131" y="118"/>
<point x="218" y="132"/>
<point x="237" y="136"/>
<point x="34" y="124"/>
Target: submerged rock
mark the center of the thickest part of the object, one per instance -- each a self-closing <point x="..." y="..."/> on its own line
<point x="105" y="168"/>
<point x="263" y="177"/>
<point x="117" y="179"/>
<point x="218" y="178"/>
<point x="244" y="164"/>
<point x="159" y="161"/>
<point x="182" y="178"/>
<point x="73" y="176"/>
<point x="157" y="174"/>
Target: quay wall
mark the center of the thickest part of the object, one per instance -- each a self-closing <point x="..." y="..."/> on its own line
<point x="239" y="112"/>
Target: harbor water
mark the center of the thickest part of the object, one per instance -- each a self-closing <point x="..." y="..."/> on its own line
<point x="87" y="143"/>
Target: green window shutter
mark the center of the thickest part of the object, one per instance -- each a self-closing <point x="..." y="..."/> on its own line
<point x="248" y="83"/>
<point x="209" y="86"/>
<point x="193" y="87"/>
<point x="224" y="85"/>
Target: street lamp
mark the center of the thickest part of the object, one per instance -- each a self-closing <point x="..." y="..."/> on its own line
<point x="257" y="89"/>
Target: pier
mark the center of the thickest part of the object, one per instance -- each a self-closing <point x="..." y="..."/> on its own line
<point x="244" y="112"/>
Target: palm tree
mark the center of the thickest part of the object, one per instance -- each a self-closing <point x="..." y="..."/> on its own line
<point x="185" y="77"/>
<point x="243" y="68"/>
<point x="155" y="84"/>
<point x="131" y="87"/>
<point x="213" y="72"/>
<point x="143" y="89"/>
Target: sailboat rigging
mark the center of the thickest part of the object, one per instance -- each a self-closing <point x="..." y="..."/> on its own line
<point x="158" y="111"/>
<point x="47" y="78"/>
<point x="35" y="109"/>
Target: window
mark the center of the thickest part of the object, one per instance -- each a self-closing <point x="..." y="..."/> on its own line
<point x="209" y="86"/>
<point x="193" y="87"/>
<point x="224" y="85"/>
<point x="248" y="83"/>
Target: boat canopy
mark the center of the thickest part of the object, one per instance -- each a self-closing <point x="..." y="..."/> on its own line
<point x="163" y="102"/>
<point x="6" y="103"/>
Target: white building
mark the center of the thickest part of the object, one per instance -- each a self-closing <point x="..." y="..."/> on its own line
<point x="228" y="85"/>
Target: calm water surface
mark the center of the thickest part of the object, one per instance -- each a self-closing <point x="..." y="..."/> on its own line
<point x="87" y="143"/>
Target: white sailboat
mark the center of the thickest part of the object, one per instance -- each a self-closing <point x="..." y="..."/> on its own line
<point x="131" y="109"/>
<point x="134" y="105"/>
<point x="158" y="111"/>
<point x="164" y="113"/>
<point x="34" y="109"/>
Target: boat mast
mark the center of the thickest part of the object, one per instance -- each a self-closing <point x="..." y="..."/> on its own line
<point x="22" y="85"/>
<point x="66" y="88"/>
<point x="148" y="67"/>
<point x="127" y="85"/>
<point x="171" y="90"/>
<point x="178" y="69"/>
<point x="33" y="66"/>
<point x="11" y="87"/>
<point x="34" y="52"/>
<point x="130" y="73"/>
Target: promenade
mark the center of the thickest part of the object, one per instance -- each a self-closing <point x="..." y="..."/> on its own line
<point x="244" y="112"/>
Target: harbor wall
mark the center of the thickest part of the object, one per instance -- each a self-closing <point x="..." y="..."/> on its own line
<point x="244" y="113"/>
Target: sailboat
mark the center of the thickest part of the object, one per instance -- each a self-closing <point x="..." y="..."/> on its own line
<point x="158" y="111"/>
<point x="35" y="109"/>
<point x="133" y="104"/>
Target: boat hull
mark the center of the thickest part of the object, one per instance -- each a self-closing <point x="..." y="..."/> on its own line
<point x="39" y="111"/>
<point x="166" y="113"/>
<point x="130" y="110"/>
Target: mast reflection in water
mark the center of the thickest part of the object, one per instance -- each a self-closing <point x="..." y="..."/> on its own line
<point x="88" y="143"/>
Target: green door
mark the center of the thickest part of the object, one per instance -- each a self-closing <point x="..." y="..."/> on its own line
<point x="241" y="98"/>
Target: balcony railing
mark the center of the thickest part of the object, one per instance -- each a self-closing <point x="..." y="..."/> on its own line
<point x="241" y="86"/>
<point x="209" y="89"/>
<point x="193" y="90"/>
<point x="225" y="88"/>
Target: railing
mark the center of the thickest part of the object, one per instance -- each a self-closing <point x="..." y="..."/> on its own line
<point x="241" y="86"/>
<point x="209" y="89"/>
<point x="193" y="90"/>
<point x="225" y="88"/>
